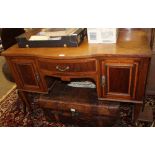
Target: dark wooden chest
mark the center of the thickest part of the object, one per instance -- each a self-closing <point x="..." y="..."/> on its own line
<point x="81" y="107"/>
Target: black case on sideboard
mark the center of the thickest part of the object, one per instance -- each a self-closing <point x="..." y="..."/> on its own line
<point x="73" y="40"/>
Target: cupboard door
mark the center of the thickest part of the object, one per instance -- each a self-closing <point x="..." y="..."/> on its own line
<point x="119" y="79"/>
<point x="26" y="74"/>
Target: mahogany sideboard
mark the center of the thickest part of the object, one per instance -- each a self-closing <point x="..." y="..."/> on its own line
<point x="118" y="70"/>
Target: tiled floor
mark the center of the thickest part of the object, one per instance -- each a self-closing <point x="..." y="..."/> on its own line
<point x="5" y="85"/>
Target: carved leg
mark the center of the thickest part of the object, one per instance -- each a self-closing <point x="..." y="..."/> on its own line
<point x="26" y="102"/>
<point x="137" y="109"/>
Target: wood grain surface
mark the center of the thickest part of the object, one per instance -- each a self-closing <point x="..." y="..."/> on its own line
<point x="130" y="43"/>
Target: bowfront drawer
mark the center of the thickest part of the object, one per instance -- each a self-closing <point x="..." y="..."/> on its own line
<point x="83" y="66"/>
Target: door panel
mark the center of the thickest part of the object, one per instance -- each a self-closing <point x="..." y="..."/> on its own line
<point x="120" y="79"/>
<point x="115" y="85"/>
<point x="26" y="74"/>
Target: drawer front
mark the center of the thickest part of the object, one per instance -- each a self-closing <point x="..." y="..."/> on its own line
<point x="79" y="119"/>
<point x="84" y="66"/>
<point x="99" y="109"/>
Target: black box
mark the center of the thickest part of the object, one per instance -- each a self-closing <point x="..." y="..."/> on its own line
<point x="72" y="40"/>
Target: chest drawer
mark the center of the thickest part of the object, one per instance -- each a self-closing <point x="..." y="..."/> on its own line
<point x="77" y="100"/>
<point x="80" y="119"/>
<point x="85" y="108"/>
<point x="81" y="114"/>
<point x="84" y="66"/>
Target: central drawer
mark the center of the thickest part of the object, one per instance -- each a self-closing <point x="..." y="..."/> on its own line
<point x="83" y="66"/>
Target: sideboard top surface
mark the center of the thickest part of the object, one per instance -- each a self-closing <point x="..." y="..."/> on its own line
<point x="131" y="42"/>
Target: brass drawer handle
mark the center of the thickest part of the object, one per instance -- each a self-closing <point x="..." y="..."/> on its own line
<point x="62" y="69"/>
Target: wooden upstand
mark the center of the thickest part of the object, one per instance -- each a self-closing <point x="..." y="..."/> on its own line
<point x="118" y="70"/>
